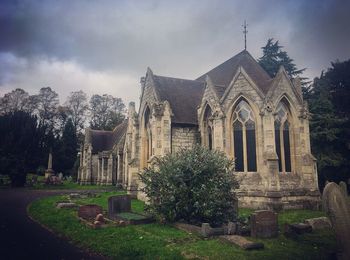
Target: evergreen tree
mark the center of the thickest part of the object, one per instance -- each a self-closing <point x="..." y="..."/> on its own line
<point x="67" y="150"/>
<point x="273" y="57"/>
<point x="330" y="124"/>
<point x="21" y="145"/>
<point x="326" y="127"/>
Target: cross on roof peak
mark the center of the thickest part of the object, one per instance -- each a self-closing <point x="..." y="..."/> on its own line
<point x="245" y="34"/>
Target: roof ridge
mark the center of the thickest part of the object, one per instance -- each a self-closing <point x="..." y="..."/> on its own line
<point x="177" y="78"/>
<point x="223" y="73"/>
<point x="120" y="125"/>
<point x="226" y="61"/>
<point x="101" y="131"/>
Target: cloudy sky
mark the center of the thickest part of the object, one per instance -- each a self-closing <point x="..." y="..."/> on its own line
<point x="105" y="46"/>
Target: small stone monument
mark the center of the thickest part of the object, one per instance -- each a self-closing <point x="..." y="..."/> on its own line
<point x="336" y="206"/>
<point x="60" y="176"/>
<point x="118" y="204"/>
<point x="264" y="224"/>
<point x="49" y="172"/>
<point x="344" y="188"/>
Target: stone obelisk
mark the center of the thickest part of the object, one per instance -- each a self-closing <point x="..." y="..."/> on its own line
<point x="49" y="172"/>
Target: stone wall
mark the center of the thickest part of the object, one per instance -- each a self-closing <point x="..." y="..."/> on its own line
<point x="183" y="137"/>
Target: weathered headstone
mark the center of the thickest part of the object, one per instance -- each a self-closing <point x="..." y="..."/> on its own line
<point x="336" y="205"/>
<point x="67" y="205"/>
<point x="297" y="229"/>
<point x="89" y="212"/>
<point x="241" y="242"/>
<point x="208" y="231"/>
<point x="231" y="228"/>
<point x="264" y="224"/>
<point x="118" y="204"/>
<point x="344" y="188"/>
<point x="74" y="196"/>
<point x="318" y="223"/>
<point x="60" y="176"/>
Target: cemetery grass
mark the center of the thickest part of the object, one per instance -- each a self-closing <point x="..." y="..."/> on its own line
<point x="157" y="241"/>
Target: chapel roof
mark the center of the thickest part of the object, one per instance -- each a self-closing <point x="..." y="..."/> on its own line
<point x="183" y="95"/>
<point x="223" y="74"/>
<point x="105" y="140"/>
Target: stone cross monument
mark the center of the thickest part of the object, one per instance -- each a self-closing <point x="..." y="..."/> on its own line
<point x="49" y="172"/>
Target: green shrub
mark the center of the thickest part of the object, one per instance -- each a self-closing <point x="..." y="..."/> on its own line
<point x="194" y="186"/>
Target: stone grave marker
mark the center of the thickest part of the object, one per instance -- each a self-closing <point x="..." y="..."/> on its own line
<point x="318" y="223"/>
<point x="264" y="224"/>
<point x="66" y="205"/>
<point x="336" y="206"/>
<point x="344" y="188"/>
<point x="60" y="176"/>
<point x="118" y="204"/>
<point x="89" y="212"/>
<point x="242" y="242"/>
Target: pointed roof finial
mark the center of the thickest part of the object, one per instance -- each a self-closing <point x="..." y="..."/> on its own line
<point x="245" y="34"/>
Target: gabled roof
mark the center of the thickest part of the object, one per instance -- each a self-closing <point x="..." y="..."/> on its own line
<point x="224" y="73"/>
<point x="220" y="90"/>
<point x="105" y="140"/>
<point x="183" y="95"/>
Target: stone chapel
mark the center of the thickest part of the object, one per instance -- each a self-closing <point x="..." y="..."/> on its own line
<point x="237" y="108"/>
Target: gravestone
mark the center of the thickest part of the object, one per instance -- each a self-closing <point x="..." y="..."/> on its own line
<point x="66" y="205"/>
<point x="318" y="223"/>
<point x="118" y="204"/>
<point x="89" y="212"/>
<point x="344" y="188"/>
<point x="291" y="230"/>
<point x="60" y="176"/>
<point x="264" y="224"/>
<point x="336" y="206"/>
<point x="242" y="242"/>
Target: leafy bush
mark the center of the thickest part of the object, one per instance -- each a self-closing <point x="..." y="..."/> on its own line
<point x="191" y="185"/>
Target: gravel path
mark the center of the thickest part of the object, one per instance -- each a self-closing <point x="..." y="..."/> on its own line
<point x="22" y="238"/>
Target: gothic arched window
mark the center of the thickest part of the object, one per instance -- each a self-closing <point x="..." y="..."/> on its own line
<point x="282" y="137"/>
<point x="208" y="128"/>
<point x="148" y="134"/>
<point x="244" y="143"/>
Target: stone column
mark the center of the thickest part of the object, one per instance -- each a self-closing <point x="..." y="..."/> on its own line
<point x="271" y="171"/>
<point x="87" y="179"/>
<point x="109" y="177"/>
<point x="102" y="170"/>
<point x="81" y="161"/>
<point x="98" y="170"/>
<point x="118" y="180"/>
<point x="218" y="132"/>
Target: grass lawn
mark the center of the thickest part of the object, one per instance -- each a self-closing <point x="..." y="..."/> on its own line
<point x="156" y="241"/>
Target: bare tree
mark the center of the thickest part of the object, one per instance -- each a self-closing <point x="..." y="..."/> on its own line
<point x="106" y="112"/>
<point x="47" y="106"/>
<point x="77" y="109"/>
<point x="62" y="116"/>
<point x="16" y="100"/>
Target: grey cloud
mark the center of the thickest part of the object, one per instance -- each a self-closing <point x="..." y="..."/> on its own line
<point x="175" y="38"/>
